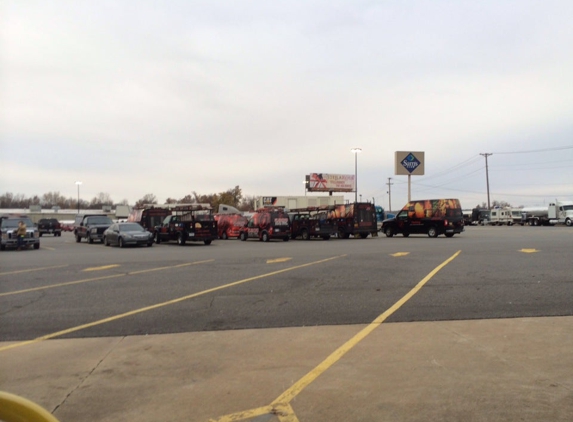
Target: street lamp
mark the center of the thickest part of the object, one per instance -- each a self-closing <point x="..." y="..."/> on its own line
<point x="356" y="151"/>
<point x="78" y="184"/>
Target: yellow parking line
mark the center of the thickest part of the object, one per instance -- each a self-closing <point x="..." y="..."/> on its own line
<point x="281" y="405"/>
<point x="32" y="270"/>
<point x="162" y="304"/>
<point x="274" y="261"/>
<point x="105" y="267"/>
<point x="397" y="254"/>
<point x="105" y="277"/>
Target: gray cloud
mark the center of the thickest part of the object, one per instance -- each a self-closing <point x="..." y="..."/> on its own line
<point x="173" y="97"/>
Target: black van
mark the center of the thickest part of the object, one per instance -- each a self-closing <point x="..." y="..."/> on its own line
<point x="430" y="216"/>
<point x="267" y="223"/>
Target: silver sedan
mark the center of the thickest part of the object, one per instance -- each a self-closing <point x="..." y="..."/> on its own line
<point x="123" y="234"/>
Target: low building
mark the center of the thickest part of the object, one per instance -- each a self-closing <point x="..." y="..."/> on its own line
<point x="294" y="202"/>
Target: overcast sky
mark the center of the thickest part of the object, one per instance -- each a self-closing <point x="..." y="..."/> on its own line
<point x="171" y="97"/>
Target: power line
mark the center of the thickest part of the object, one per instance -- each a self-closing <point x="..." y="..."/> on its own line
<point x="536" y="150"/>
<point x="472" y="160"/>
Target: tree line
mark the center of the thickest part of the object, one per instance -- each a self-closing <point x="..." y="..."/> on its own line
<point x="233" y="197"/>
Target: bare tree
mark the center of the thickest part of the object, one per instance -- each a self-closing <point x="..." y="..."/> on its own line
<point x="100" y="200"/>
<point x="187" y="199"/>
<point x="248" y="203"/>
<point x="147" y="199"/>
<point x="52" y="199"/>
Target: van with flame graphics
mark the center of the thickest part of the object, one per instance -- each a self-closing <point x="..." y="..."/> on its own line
<point x="429" y="216"/>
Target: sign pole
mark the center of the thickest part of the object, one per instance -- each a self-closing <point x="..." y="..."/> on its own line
<point x="409" y="187"/>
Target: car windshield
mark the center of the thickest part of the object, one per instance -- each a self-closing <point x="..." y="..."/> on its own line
<point x="12" y="223"/>
<point x="99" y="220"/>
<point x="130" y="227"/>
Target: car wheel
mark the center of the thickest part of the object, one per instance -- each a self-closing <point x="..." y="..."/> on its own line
<point x="90" y="240"/>
<point x="326" y="237"/>
<point x="389" y="232"/>
<point x="432" y="231"/>
<point x="207" y="242"/>
<point x="157" y="239"/>
<point x="568" y="222"/>
<point x="150" y="244"/>
<point x="180" y="239"/>
<point x="304" y="235"/>
<point x="36" y="246"/>
<point x="405" y="234"/>
<point x="285" y="239"/>
<point x="120" y="242"/>
<point x="363" y="235"/>
<point x="78" y="238"/>
<point x="265" y="237"/>
<point x="243" y="236"/>
<point x="449" y="235"/>
<point x="224" y="236"/>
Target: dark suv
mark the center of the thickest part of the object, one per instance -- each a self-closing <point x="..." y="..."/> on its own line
<point x="49" y="226"/>
<point x="91" y="227"/>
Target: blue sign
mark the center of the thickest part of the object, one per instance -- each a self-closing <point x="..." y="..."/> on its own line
<point x="410" y="163"/>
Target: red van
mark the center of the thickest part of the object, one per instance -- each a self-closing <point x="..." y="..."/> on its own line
<point x="229" y="225"/>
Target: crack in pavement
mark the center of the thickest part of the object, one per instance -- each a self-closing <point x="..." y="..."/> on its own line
<point x="82" y="381"/>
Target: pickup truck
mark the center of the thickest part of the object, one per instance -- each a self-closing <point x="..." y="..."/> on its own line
<point x="49" y="226"/>
<point x="189" y="223"/>
<point x="357" y="219"/>
<point x="310" y="222"/>
<point x="8" y="227"/>
<point x="91" y="227"/>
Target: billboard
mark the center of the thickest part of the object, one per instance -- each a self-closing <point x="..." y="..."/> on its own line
<point x="324" y="182"/>
<point x="409" y="163"/>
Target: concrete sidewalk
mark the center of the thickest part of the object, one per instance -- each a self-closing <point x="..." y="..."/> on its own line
<point x="482" y="370"/>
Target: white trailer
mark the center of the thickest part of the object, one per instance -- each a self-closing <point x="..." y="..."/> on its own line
<point x="294" y="202"/>
<point x="500" y="217"/>
<point x="558" y="212"/>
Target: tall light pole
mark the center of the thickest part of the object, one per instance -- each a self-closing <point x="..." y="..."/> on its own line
<point x="78" y="184"/>
<point x="356" y="151"/>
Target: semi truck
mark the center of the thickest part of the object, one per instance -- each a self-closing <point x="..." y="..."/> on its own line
<point x="558" y="212"/>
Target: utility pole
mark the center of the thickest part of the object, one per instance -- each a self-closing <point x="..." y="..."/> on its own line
<point x="487" y="177"/>
<point x="389" y="195"/>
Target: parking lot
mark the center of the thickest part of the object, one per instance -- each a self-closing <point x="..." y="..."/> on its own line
<point x="475" y="327"/>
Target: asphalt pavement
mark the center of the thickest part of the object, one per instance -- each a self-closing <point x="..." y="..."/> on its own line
<point x="384" y="368"/>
